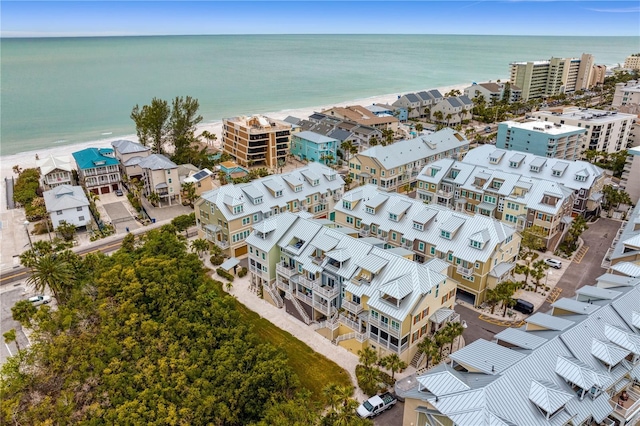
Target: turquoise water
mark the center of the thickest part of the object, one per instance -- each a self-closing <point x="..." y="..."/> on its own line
<point x="70" y="90"/>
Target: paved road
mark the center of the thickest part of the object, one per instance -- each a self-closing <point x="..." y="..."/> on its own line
<point x="476" y="328"/>
<point x="392" y="417"/>
<point x="7" y="299"/>
<point x="584" y="271"/>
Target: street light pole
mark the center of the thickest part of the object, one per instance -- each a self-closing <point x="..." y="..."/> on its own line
<point x="26" y="228"/>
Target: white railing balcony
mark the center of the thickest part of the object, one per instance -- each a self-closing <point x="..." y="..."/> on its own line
<point x="259" y="272"/>
<point x="286" y="271"/>
<point x="309" y="283"/>
<point x="302" y="296"/>
<point x="383" y="326"/>
<point x="627" y="409"/>
<point x="408" y="244"/>
<point x="467" y="272"/>
<point x="318" y="260"/>
<point x="282" y="284"/>
<point x="364" y="232"/>
<point x="337" y="196"/>
<point x="360" y="337"/>
<point x="326" y="291"/>
<point x="325" y="309"/>
<point x="222" y="244"/>
<point x="444" y="194"/>
<point x="328" y="324"/>
<point x="349" y="323"/>
<point x="354" y="308"/>
<point x="323" y="201"/>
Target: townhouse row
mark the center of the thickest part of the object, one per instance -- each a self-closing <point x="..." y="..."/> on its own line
<point x="351" y="290"/>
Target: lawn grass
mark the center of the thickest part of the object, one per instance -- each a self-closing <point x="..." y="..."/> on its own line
<point x="314" y="370"/>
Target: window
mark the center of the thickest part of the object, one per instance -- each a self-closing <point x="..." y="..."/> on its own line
<point x="425" y="312"/>
<point x="432" y="250"/>
<point x="278" y="194"/>
<point x="346" y="204"/>
<point x="416" y="319"/>
<point x="246" y="220"/>
<point x="349" y="220"/>
<point x="263" y="256"/>
<point x="59" y="212"/>
<point x="370" y="210"/>
<point x="421" y="246"/>
<point x="298" y="188"/>
<point x="395" y="325"/>
<point x="358" y="222"/>
<point x="394" y="236"/>
<point x="445" y="234"/>
<point x="374" y="314"/>
<point x="237" y="209"/>
<point x="477" y="265"/>
<point x="418" y="226"/>
<point x="475" y="244"/>
<point x="393" y="217"/>
<point x="373" y="171"/>
<point x="81" y="218"/>
<point x="490" y="199"/>
<point x="255" y="217"/>
<point x="169" y="180"/>
<point x="450" y="257"/>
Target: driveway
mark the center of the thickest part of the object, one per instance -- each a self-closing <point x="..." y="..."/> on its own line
<point x="586" y="268"/>
<point x="391" y="417"/>
<point x="476" y="328"/>
<point x="8" y="298"/>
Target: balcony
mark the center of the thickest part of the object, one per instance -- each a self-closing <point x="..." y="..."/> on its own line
<point x="282" y="285"/>
<point x="326" y="309"/>
<point x="286" y="270"/>
<point x="350" y="323"/>
<point x="222" y="244"/>
<point x="354" y="308"/>
<point x="626" y="409"/>
<point x="325" y="291"/>
<point x="384" y="327"/>
<point x="304" y="297"/>
<point x="323" y="201"/>
<point x="364" y="232"/>
<point x="467" y="272"/>
<point x="309" y="283"/>
<point x="337" y="196"/>
<point x="258" y="272"/>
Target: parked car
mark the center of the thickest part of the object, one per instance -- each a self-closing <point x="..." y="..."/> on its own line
<point x="376" y="405"/>
<point x="523" y="306"/>
<point x="39" y="299"/>
<point x="553" y="263"/>
<point x="119" y="192"/>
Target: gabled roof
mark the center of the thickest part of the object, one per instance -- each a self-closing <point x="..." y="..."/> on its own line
<point x="124" y="146"/>
<point x="443" y="383"/>
<point x="486" y="357"/>
<point x="548" y="396"/>
<point x="313" y="137"/>
<point x="607" y="352"/>
<point x="623" y="338"/>
<point x="520" y="338"/>
<point x="578" y="373"/>
<point x="51" y="163"/>
<point x="157" y="162"/>
<point x="574" y="306"/>
<point x="399" y="287"/>
<point x="372" y="263"/>
<point x="595" y="293"/>
<point x="549" y="321"/>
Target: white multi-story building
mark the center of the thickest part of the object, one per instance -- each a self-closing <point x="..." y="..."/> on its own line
<point x="607" y="131"/>
<point x="55" y="171"/>
<point x="160" y="176"/>
<point x="98" y="169"/>
<point x="632" y="62"/>
<point x="630" y="180"/>
<point x="626" y="94"/>
<point x="66" y="203"/>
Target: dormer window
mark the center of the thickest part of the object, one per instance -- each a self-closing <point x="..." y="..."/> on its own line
<point x="557" y="173"/>
<point x="370" y="210"/>
<point x="581" y="178"/>
<point x="393" y="217"/>
<point x="257" y="200"/>
<point x="237" y="209"/>
<point x="534" y="169"/>
<point x="454" y="173"/>
<point x="278" y="194"/>
<point x="298" y="188"/>
<point x="475" y="244"/>
<point x="418" y="226"/>
<point x="493" y="160"/>
<point x="346" y="204"/>
<point x="513" y="164"/>
<point x="445" y="234"/>
<point x="496" y="184"/>
<point x="315" y="182"/>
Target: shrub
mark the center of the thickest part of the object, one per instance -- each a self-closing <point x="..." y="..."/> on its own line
<point x="367" y="379"/>
<point x="224" y="274"/>
<point x="216" y="259"/>
<point x="243" y="272"/>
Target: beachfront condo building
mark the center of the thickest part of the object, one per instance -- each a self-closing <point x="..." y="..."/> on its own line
<point x="418" y="105"/>
<point x="55" y="171"/>
<point x="606" y="131"/>
<point x="160" y="176"/>
<point x="623" y="258"/>
<point x="68" y="204"/>
<point x="361" y="115"/>
<point x="507" y="189"/>
<point x="395" y="167"/>
<point x="452" y="111"/>
<point x="494" y="92"/>
<point x="626" y="94"/>
<point x="480" y="251"/>
<point x="311" y="146"/>
<point x="130" y="154"/>
<point x="630" y="179"/>
<point x="541" y="79"/>
<point x="577" y="364"/>
<point x="584" y="179"/>
<point x="358" y="135"/>
<point x="256" y="141"/>
<point x="98" y="169"/>
<point x="350" y="290"/>
<point x="542" y="138"/>
<point x="632" y="62"/>
<point x="227" y="215"/>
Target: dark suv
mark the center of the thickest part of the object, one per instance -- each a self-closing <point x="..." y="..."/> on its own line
<point x="523" y="306"/>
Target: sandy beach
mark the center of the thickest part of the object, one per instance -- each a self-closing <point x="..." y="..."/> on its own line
<point x="28" y="158"/>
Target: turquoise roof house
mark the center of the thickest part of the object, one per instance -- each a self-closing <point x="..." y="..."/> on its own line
<point x="98" y="169"/>
<point x="312" y="146"/>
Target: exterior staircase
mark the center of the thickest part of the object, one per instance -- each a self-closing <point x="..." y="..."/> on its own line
<point x="275" y="295"/>
<point x="417" y="359"/>
<point x="361" y="337"/>
<point x="300" y="309"/>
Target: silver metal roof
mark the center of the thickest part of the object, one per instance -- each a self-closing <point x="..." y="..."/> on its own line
<point x="549" y="322"/>
<point x="608" y="352"/>
<point x="441" y="315"/>
<point x="65" y="197"/>
<point x="578" y="373"/>
<point x="453" y="223"/>
<point x="520" y="338"/>
<point x="486" y="357"/>
<point x="443" y="383"/>
<point x="622" y="338"/>
<point x="324" y="242"/>
<point x="376" y="201"/>
<point x="157" y="162"/>
<point x="595" y="293"/>
<point x="341" y="254"/>
<point x="372" y="263"/>
<point x="399" y="287"/>
<point x="572" y="305"/>
<point x="548" y="396"/>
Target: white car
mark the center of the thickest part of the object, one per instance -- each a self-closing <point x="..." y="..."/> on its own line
<point x="553" y="263"/>
<point x="40" y="299"/>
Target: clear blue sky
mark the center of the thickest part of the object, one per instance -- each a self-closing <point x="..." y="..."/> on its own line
<point x="512" y="17"/>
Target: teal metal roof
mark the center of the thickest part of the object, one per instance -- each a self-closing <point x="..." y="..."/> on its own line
<point x="95" y="157"/>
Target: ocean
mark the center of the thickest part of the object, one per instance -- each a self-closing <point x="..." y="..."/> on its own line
<point x="59" y="91"/>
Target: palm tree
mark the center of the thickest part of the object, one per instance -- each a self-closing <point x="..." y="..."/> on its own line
<point x="493" y="298"/>
<point x="538" y="272"/>
<point x="429" y="348"/>
<point x="189" y="190"/>
<point x="441" y="338"/>
<point x="229" y="286"/>
<point x="454" y="329"/>
<point x="393" y="363"/>
<point x="200" y="246"/>
<point x="50" y="271"/>
<point x="438" y="116"/>
<point x="154" y="198"/>
<point x="368" y="356"/>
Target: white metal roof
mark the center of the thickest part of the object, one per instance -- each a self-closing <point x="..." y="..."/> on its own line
<point x="608" y="352"/>
<point x="578" y="373"/>
<point x="549" y="321"/>
<point x="372" y="263"/>
<point x="574" y="306"/>
<point x="548" y="396"/>
<point x="486" y="357"/>
<point x="520" y="338"/>
<point x="595" y="293"/>
<point x="443" y="383"/>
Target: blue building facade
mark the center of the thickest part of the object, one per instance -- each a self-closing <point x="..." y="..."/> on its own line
<point x="542" y="138"/>
<point x="312" y="146"/>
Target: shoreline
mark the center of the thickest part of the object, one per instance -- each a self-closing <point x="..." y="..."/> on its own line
<point x="26" y="159"/>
